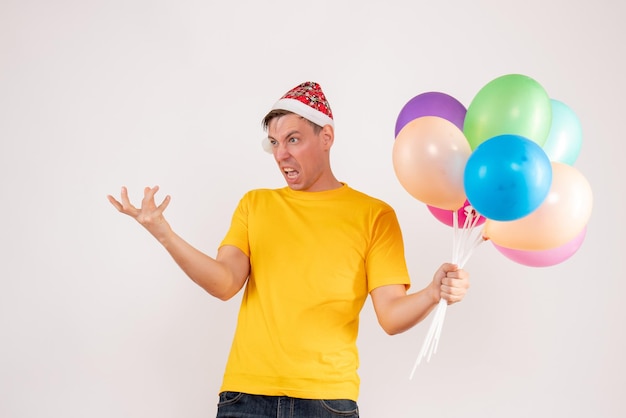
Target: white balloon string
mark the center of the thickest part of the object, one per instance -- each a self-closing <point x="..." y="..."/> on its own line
<point x="476" y="216"/>
<point x="455" y="237"/>
<point x="462" y="250"/>
<point x="441" y="311"/>
<point x="444" y="307"/>
<point x="427" y="342"/>
<point x="470" y="250"/>
<point x="465" y="232"/>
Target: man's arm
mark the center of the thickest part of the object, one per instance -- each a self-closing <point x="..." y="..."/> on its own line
<point x="222" y="276"/>
<point x="398" y="311"/>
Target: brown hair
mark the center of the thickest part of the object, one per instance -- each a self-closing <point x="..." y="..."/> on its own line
<point x="277" y="113"/>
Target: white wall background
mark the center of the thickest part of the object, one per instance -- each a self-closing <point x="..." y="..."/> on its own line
<point x="97" y="321"/>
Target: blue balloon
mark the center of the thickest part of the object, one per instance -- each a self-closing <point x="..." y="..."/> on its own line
<point x="507" y="177"/>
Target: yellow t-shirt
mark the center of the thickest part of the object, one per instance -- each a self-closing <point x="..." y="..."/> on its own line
<point x="314" y="258"/>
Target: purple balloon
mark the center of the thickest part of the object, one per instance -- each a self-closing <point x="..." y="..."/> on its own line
<point x="432" y="104"/>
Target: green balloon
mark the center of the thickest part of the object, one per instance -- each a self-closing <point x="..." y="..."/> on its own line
<point x="511" y="104"/>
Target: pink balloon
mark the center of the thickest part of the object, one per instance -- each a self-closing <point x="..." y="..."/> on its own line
<point x="544" y="258"/>
<point x="446" y="216"/>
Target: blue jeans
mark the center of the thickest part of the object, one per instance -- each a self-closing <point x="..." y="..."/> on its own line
<point x="243" y="405"/>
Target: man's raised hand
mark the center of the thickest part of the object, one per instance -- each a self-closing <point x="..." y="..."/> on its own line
<point x="149" y="215"/>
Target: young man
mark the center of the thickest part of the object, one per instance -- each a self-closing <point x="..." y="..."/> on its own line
<point x="308" y="255"/>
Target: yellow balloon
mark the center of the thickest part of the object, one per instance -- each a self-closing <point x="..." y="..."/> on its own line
<point x="560" y="218"/>
<point x="429" y="157"/>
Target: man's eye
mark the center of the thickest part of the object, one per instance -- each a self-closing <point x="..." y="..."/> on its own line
<point x="293" y="140"/>
<point x="273" y="142"/>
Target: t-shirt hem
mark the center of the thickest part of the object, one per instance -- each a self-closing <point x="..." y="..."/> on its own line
<point x="343" y="393"/>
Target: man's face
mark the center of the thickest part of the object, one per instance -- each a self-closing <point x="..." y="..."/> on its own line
<point x="301" y="154"/>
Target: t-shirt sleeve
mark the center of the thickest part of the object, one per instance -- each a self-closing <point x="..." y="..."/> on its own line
<point x="237" y="234"/>
<point x="385" y="262"/>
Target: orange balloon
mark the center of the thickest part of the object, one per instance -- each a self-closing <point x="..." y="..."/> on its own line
<point x="559" y="219"/>
<point x="429" y="157"/>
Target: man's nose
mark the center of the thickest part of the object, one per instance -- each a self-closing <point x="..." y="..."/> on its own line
<point x="281" y="152"/>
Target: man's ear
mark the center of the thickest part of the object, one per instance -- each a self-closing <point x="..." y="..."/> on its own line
<point x="328" y="135"/>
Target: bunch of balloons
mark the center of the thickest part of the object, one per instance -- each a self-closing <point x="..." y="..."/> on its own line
<point x="509" y="157"/>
